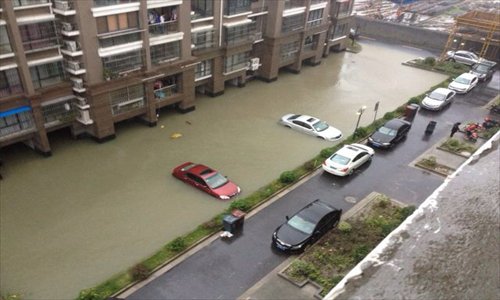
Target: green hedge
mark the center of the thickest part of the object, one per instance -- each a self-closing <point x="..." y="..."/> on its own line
<point x="287" y="178"/>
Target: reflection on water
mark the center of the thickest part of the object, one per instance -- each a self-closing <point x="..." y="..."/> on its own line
<point x="91" y="210"/>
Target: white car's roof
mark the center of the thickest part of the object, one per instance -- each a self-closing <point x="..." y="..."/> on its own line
<point x="468" y="76"/>
<point x="442" y="91"/>
<point x="349" y="151"/>
<point x="307" y="119"/>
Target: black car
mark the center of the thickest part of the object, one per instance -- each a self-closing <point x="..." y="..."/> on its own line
<point x="306" y="226"/>
<point x="484" y="70"/>
<point x="390" y="133"/>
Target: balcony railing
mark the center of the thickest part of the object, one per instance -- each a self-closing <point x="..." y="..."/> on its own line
<point x="165" y="92"/>
<point x="167" y="27"/>
<point x="241" y="39"/>
<point x="41" y="44"/>
<point x="98" y="3"/>
<point x="313" y="2"/>
<point x="289" y="4"/>
<point x="17" y="3"/>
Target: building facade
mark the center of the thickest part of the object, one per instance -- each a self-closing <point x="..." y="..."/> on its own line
<point x="86" y="65"/>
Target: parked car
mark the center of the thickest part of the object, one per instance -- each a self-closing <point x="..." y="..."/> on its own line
<point x="207" y="180"/>
<point x="347" y="159"/>
<point x="305" y="227"/>
<point x="463" y="57"/>
<point x="390" y="133"/>
<point x="484" y="70"/>
<point x="438" y="99"/>
<point x="463" y="83"/>
<point x="312" y="126"/>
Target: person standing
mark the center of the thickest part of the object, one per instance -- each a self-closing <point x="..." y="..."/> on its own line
<point x="455" y="128"/>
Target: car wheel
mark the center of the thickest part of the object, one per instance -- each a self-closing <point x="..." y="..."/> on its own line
<point x="288" y="126"/>
<point x="350" y="172"/>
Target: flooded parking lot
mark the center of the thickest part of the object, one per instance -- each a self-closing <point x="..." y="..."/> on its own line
<point x="91" y="210"/>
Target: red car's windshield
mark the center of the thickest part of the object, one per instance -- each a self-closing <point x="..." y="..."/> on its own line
<point x="216" y="180"/>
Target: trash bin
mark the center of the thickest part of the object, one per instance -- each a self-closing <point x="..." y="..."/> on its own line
<point x="233" y="223"/>
<point x="430" y="127"/>
<point x="411" y="111"/>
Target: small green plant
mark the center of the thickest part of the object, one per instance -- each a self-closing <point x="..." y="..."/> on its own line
<point x="241" y="204"/>
<point x="361" y="132"/>
<point x="177" y="245"/>
<point x="310" y="165"/>
<point x="301" y="269"/>
<point x="389" y="115"/>
<point x="139" y="272"/>
<point x="429" y="162"/>
<point x="345" y="227"/>
<point x="454" y="145"/>
<point x="327" y="152"/>
<point x="89" y="294"/>
<point x="288" y="177"/>
<point x="414" y="100"/>
<point x="360" y="252"/>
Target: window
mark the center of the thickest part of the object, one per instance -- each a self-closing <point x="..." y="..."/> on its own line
<point x="39" y="35"/>
<point x="47" y="74"/>
<point x="10" y="83"/>
<point x="311" y="42"/>
<point x="203" y="70"/>
<point x="290" y="51"/>
<point x="166" y="87"/>
<point x="28" y="2"/>
<point x="203" y="39"/>
<point x="127" y="99"/>
<point x="117" y="22"/>
<point x="315" y="17"/>
<point x="16" y="122"/>
<point x="240" y="34"/>
<point x="98" y="3"/>
<point x="339" y="31"/>
<point x="234" y="7"/>
<point x="344" y="8"/>
<point x="64" y="111"/>
<point x="119" y="39"/>
<point x="236" y="62"/>
<point x="165" y="52"/>
<point x="4" y="41"/>
<point x="292" y="23"/>
<point x="124" y="62"/>
<point x="201" y="9"/>
<point x="163" y="20"/>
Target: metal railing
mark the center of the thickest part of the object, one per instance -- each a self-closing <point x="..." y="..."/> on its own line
<point x="163" y="28"/>
<point x="165" y="92"/>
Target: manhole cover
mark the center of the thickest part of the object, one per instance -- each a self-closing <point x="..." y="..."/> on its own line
<point x="350" y="199"/>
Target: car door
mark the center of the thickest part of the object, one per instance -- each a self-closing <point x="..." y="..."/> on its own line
<point x="450" y="96"/>
<point x="360" y="159"/>
<point x="473" y="83"/>
<point x="197" y="181"/>
<point x="301" y="126"/>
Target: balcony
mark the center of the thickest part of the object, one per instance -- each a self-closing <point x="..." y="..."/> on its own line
<point x="237" y="7"/>
<point x="100" y="3"/>
<point x="164" y="28"/>
<point x="165" y="92"/>
<point x="203" y="39"/>
<point x="74" y="67"/>
<point x="69" y="29"/>
<point x="20" y="3"/>
<point x="42" y="44"/>
<point x="71" y="48"/>
<point x="290" y="4"/>
<point x="65" y="8"/>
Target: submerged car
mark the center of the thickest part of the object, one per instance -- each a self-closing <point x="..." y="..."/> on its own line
<point x="390" y="133"/>
<point x="312" y="126"/>
<point x="463" y="83"/>
<point x="438" y="99"/>
<point x="463" y="57"/>
<point x="306" y="226"/>
<point x="347" y="159"/>
<point x="207" y="180"/>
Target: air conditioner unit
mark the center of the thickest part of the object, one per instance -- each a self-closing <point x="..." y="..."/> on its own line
<point x="75" y="65"/>
<point x="64" y="5"/>
<point x="66" y="26"/>
<point x="71" y="45"/>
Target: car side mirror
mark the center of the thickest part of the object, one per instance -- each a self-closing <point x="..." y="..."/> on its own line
<point x="287" y="218"/>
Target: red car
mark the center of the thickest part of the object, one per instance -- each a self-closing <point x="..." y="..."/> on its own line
<point x="207" y="180"/>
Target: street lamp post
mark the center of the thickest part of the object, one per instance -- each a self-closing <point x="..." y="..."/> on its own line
<point x="360" y="112"/>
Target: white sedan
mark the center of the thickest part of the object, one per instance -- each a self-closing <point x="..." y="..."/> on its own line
<point x="463" y="83"/>
<point x="438" y="99"/>
<point x="347" y="159"/>
<point x="312" y="126"/>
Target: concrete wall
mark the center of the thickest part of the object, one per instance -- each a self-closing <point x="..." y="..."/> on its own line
<point x="434" y="41"/>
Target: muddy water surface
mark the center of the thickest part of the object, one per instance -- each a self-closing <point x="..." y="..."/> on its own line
<point x="91" y="210"/>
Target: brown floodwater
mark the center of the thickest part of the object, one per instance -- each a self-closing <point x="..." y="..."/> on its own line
<point x="92" y="210"/>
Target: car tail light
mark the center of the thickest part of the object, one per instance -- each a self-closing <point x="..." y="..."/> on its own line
<point x="344" y="169"/>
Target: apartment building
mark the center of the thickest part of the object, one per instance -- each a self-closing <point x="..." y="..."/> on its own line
<point x="86" y="65"/>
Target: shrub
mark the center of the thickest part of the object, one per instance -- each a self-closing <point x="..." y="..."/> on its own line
<point x="212" y="224"/>
<point x="414" y="100"/>
<point x="405" y="212"/>
<point x="345" y="227"/>
<point x="288" y="177"/>
<point x="310" y="165"/>
<point x="361" y="132"/>
<point x="360" y="252"/>
<point x="429" y="162"/>
<point x="430" y="61"/>
<point x="139" y="272"/>
<point x="327" y="152"/>
<point x="241" y="204"/>
<point x="177" y="245"/>
<point x="89" y="294"/>
<point x="301" y="269"/>
<point x="389" y="115"/>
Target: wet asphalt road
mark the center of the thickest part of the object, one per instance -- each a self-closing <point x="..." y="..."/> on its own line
<point x="225" y="270"/>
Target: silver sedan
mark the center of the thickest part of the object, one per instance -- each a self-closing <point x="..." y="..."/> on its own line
<point x="312" y="126"/>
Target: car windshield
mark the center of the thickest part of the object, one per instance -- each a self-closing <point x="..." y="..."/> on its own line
<point x="387" y="131"/>
<point x="216" y="180"/>
<point x="481" y="68"/>
<point x="320" y="126"/>
<point x="437" y="96"/>
<point x="339" y="159"/>
<point x="301" y="224"/>
<point x="462" y="80"/>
